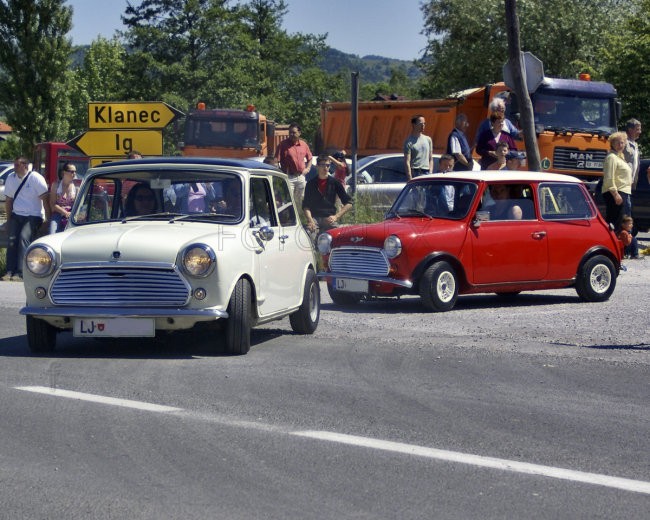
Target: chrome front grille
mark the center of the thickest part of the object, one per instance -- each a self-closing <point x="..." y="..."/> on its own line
<point x="574" y="159"/>
<point x="368" y="261"/>
<point x="119" y="286"/>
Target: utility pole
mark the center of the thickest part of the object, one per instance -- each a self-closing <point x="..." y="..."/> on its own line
<point x="521" y="90"/>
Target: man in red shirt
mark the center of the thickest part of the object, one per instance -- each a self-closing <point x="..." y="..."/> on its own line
<point x="294" y="157"/>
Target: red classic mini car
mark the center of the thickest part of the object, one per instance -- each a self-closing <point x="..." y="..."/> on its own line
<point x="476" y="232"/>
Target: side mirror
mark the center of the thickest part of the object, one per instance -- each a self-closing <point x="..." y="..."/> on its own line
<point x="265" y="233"/>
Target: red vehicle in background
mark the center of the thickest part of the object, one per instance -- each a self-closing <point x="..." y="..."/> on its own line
<point x="50" y="156"/>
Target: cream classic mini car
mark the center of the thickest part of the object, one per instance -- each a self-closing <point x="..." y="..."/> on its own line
<point x="160" y="245"/>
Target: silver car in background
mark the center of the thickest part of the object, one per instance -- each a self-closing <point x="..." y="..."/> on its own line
<point x="380" y="179"/>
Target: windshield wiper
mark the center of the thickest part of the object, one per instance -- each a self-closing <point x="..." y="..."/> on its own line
<point x="202" y="216"/>
<point x="414" y="212"/>
<point x="155" y="216"/>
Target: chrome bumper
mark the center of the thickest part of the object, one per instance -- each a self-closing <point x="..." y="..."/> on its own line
<point x="382" y="279"/>
<point x="123" y="312"/>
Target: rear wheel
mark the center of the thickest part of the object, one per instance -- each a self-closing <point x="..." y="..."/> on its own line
<point x="238" y="325"/>
<point x="439" y="287"/>
<point x="596" y="279"/>
<point x="305" y="319"/>
<point x="343" y="298"/>
<point x="41" y="336"/>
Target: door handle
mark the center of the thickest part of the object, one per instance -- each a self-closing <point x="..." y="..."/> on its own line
<point x="538" y="235"/>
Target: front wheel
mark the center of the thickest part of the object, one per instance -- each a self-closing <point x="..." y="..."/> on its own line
<point x="41" y="336"/>
<point x="439" y="287"/>
<point x="596" y="279"/>
<point x="305" y="319"/>
<point x="238" y="324"/>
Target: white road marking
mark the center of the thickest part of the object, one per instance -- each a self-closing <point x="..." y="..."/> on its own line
<point x="125" y="403"/>
<point x="637" y="486"/>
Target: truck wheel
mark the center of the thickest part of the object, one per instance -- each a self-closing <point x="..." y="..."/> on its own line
<point x="439" y="287"/>
<point x="596" y="279"/>
<point x="343" y="299"/>
<point x="238" y="324"/>
<point x="41" y="336"/>
<point x="305" y="319"/>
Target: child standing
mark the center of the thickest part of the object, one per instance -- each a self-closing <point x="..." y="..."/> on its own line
<point x="629" y="241"/>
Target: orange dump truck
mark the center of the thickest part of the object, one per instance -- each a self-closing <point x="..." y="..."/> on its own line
<point x="573" y="119"/>
<point x="230" y="133"/>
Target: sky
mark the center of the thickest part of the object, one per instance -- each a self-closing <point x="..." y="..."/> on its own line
<point x="388" y="28"/>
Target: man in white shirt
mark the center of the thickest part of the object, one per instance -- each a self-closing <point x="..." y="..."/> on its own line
<point x="631" y="150"/>
<point x="26" y="197"/>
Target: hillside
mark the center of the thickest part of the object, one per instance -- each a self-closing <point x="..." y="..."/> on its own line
<point x="372" y="69"/>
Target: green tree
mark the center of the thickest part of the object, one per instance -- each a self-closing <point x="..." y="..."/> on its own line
<point x="467" y="44"/>
<point x="101" y="77"/>
<point x="628" y="66"/>
<point x="34" y="54"/>
<point x="227" y="57"/>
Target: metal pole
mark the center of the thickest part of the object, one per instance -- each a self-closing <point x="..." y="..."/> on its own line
<point x="354" y="106"/>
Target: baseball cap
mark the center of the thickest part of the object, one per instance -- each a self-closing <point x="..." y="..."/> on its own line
<point x="516" y="155"/>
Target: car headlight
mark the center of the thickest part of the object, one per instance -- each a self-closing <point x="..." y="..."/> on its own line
<point x="392" y="246"/>
<point x="324" y="243"/>
<point x="198" y="260"/>
<point x="40" y="260"/>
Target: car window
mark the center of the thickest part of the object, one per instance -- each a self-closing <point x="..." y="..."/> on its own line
<point x="286" y="210"/>
<point x="260" y="203"/>
<point x="159" y="194"/>
<point x="389" y="169"/>
<point x="563" y="201"/>
<point x="503" y="201"/>
<point x="437" y="199"/>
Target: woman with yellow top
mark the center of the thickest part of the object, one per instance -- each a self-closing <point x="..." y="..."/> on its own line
<point x="617" y="181"/>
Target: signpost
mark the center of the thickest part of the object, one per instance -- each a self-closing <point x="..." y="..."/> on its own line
<point x="146" y="115"/>
<point x="116" y="129"/>
<point x="119" y="143"/>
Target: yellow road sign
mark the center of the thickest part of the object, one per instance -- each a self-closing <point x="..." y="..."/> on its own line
<point x="118" y="143"/>
<point x="131" y="115"/>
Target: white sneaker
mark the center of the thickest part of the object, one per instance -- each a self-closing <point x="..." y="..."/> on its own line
<point x="7" y="277"/>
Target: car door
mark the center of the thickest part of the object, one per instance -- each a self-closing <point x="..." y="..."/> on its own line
<point x="508" y="249"/>
<point x="278" y="264"/>
<point x="385" y="179"/>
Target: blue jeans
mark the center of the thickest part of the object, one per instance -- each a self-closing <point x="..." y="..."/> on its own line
<point x="22" y="232"/>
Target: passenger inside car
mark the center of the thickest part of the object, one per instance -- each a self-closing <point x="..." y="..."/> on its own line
<point x="504" y="207"/>
<point x="141" y="200"/>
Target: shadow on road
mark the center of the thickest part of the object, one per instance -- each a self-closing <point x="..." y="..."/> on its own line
<point x="413" y="305"/>
<point x="179" y="345"/>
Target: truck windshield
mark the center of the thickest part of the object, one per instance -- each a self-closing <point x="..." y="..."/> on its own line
<point x="221" y="132"/>
<point x="573" y="112"/>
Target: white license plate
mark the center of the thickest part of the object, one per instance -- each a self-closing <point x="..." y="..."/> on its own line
<point x="350" y="285"/>
<point x="594" y="165"/>
<point x="114" y="327"/>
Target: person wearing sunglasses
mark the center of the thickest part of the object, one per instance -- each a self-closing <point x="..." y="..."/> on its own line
<point x="62" y="196"/>
<point x="141" y="200"/>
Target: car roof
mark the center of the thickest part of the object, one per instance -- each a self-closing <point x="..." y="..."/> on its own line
<point x="187" y="161"/>
<point x="503" y="175"/>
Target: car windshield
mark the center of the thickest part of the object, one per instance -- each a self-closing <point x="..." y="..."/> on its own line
<point x="160" y="194"/>
<point x="439" y="198"/>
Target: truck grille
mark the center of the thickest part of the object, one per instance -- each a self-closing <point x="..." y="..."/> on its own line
<point x="359" y="260"/>
<point x="574" y="159"/>
<point x="119" y="286"/>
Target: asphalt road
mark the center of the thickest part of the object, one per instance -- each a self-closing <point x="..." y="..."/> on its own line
<point x="537" y="409"/>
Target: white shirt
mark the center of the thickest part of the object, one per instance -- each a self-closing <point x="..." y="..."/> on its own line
<point x="28" y="203"/>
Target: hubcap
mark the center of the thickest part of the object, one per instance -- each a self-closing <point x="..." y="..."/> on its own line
<point x="600" y="278"/>
<point x="446" y="287"/>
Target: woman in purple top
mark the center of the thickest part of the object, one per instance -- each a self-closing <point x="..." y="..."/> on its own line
<point x="488" y="140"/>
